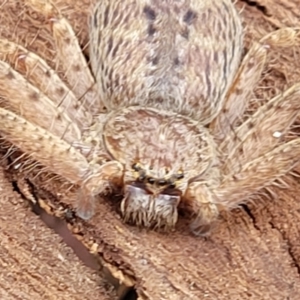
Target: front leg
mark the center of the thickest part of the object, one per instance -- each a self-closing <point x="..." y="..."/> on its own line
<point x="34" y="75"/>
<point x="200" y="200"/>
<point x="61" y="158"/>
<point x="260" y="151"/>
<point x="24" y="99"/>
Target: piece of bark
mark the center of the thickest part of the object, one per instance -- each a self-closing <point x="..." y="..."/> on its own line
<point x="34" y="262"/>
<point x="254" y="253"/>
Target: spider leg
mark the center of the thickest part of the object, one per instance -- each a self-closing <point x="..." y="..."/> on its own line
<point x="41" y="145"/>
<point x="240" y="92"/>
<point x="204" y="207"/>
<point x="70" y="57"/>
<point x="261" y="150"/>
<point x="24" y="99"/>
<point x="246" y="79"/>
<point x="39" y="74"/>
<point x="60" y="158"/>
<point x="255" y="151"/>
<point x="266" y="129"/>
<point x="260" y="173"/>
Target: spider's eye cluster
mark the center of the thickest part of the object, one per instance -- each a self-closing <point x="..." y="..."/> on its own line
<point x="162" y="182"/>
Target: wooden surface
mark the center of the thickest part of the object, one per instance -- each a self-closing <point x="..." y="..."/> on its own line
<point x="35" y="262"/>
<point x="254" y="253"/>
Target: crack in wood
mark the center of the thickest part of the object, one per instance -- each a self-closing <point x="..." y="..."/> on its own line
<point x="60" y="227"/>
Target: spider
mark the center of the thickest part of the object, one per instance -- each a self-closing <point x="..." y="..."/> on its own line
<point x="160" y="115"/>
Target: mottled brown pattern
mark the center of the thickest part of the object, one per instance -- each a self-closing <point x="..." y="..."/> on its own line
<point x="160" y="107"/>
<point x="31" y="253"/>
<point x="179" y="39"/>
<point x="254" y="251"/>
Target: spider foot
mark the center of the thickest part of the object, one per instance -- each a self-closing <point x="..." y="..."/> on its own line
<point x="85" y="206"/>
<point x="100" y="180"/>
<point x="203" y="224"/>
<point x="200" y="201"/>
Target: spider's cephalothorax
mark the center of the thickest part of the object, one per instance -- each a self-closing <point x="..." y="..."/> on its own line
<point x="178" y="70"/>
<point x="162" y="154"/>
<point x="162" y="116"/>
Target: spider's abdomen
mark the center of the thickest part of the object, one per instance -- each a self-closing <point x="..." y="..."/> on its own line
<point x="172" y="55"/>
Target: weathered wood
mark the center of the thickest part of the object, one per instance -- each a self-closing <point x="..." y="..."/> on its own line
<point x="35" y="263"/>
<point x="254" y="253"/>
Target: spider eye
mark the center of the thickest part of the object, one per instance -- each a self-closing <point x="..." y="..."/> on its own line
<point x="136" y="167"/>
<point x="151" y="180"/>
<point x="161" y="182"/>
<point x="179" y="176"/>
<point x="141" y="178"/>
<point x="172" y="185"/>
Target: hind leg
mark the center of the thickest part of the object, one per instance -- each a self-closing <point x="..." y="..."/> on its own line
<point x="69" y="57"/>
<point x="245" y="81"/>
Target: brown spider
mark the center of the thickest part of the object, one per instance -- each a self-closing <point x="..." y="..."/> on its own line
<point x="165" y="119"/>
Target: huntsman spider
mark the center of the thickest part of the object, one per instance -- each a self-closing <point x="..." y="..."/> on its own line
<point x="160" y="117"/>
